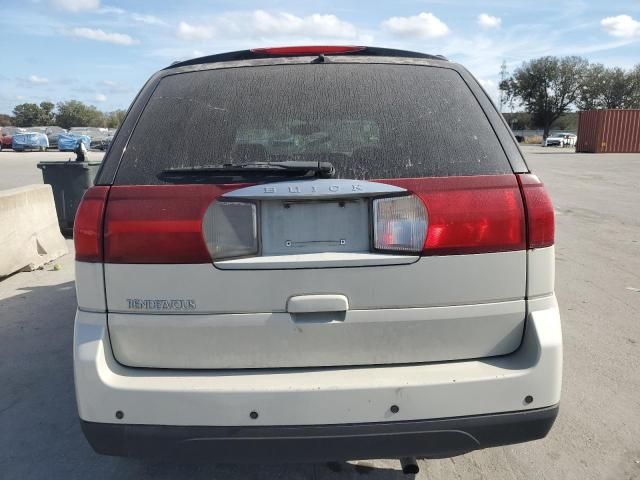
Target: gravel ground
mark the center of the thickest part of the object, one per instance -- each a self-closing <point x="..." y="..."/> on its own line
<point x="598" y="286"/>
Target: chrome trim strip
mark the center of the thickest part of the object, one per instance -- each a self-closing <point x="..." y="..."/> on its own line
<point x="312" y="189"/>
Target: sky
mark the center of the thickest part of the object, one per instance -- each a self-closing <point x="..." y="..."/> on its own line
<point x="102" y="51"/>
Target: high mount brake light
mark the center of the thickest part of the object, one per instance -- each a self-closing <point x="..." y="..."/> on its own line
<point x="309" y="50"/>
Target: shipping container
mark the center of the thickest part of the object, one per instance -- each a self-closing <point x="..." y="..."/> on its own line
<point x="609" y="131"/>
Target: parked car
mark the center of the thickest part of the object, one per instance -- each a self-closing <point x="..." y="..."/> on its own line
<point x="67" y="142"/>
<point x="29" y="141"/>
<point x="6" y="136"/>
<point x="37" y="129"/>
<point x="100" y="137"/>
<point x="560" y="139"/>
<point x="101" y="143"/>
<point x="53" y="134"/>
<point x="379" y="285"/>
<point x="553" y="141"/>
<point x="569" y="139"/>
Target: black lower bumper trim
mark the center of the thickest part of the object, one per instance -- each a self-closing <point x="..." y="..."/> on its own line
<point x="316" y="443"/>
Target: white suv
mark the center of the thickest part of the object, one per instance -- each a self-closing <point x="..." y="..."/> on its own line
<point x="290" y="255"/>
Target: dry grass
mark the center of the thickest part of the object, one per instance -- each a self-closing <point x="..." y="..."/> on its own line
<point x="533" y="140"/>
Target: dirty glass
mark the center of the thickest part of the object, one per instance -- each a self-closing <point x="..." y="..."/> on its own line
<point x="369" y="120"/>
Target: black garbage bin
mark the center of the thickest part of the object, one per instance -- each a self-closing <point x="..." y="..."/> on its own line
<point x="68" y="180"/>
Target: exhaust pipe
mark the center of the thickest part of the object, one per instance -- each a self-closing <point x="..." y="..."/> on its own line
<point x="409" y="465"/>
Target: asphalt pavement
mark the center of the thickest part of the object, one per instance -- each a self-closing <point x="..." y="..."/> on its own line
<point x="597" y="434"/>
<point x="20" y="168"/>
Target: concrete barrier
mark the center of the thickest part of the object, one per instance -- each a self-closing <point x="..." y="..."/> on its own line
<point x="29" y="231"/>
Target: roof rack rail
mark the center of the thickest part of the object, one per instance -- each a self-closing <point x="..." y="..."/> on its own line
<point x="313" y="50"/>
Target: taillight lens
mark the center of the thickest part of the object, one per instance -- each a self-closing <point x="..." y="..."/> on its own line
<point x="231" y="229"/>
<point x="540" y="216"/>
<point x="399" y="224"/>
<point x="158" y="223"/>
<point x="87" y="227"/>
<point x="479" y="214"/>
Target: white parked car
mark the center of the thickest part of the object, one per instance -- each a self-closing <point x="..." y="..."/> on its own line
<point x="560" y="139"/>
<point x="372" y="288"/>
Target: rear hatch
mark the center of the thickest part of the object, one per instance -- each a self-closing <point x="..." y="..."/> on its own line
<point x="310" y="215"/>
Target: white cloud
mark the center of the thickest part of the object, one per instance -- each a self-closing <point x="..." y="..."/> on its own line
<point x="489" y="21"/>
<point x="114" y="87"/>
<point x="491" y="87"/>
<point x="423" y="25"/>
<point x="102" y="36"/>
<point x="148" y="19"/>
<point x="487" y="83"/>
<point x="138" y="17"/>
<point x="114" y="10"/>
<point x="186" y="31"/>
<point x="76" y="5"/>
<point x="287" y="24"/>
<point x="36" y="80"/>
<point x="269" y="26"/>
<point x="622" y="26"/>
<point x="100" y="97"/>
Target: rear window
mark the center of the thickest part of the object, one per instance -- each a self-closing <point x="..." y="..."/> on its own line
<point x="368" y="120"/>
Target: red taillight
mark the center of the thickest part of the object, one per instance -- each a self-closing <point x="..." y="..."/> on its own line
<point x="480" y="214"/>
<point x="87" y="228"/>
<point x="540" y="216"/>
<point x="308" y="50"/>
<point x="158" y="223"/>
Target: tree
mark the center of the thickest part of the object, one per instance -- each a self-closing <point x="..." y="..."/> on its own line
<point x="634" y="80"/>
<point x="605" y="88"/>
<point x="46" y="113"/>
<point x="114" y="119"/>
<point x="30" y="114"/>
<point x="503" y="77"/>
<point x="26" y="114"/>
<point x="547" y="87"/>
<point x="74" y="113"/>
<point x="5" y="120"/>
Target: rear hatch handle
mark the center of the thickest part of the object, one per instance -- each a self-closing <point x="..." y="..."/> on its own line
<point x="317" y="303"/>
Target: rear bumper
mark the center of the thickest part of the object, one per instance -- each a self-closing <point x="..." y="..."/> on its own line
<point x="420" y="438"/>
<point x="481" y="401"/>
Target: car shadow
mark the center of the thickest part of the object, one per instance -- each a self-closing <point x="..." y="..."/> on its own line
<point x="40" y="434"/>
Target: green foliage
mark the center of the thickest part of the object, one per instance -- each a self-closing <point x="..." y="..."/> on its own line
<point x="519" y="121"/>
<point x="26" y="114"/>
<point x="550" y="87"/>
<point x="47" y="115"/>
<point x="634" y="80"/>
<point x="5" y="120"/>
<point x="114" y="119"/>
<point x="523" y="121"/>
<point x="547" y="87"/>
<point x="606" y="88"/>
<point x="30" y="114"/>
<point x="74" y="113"/>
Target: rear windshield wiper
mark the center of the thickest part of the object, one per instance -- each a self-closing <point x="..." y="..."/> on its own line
<point x="253" y="169"/>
